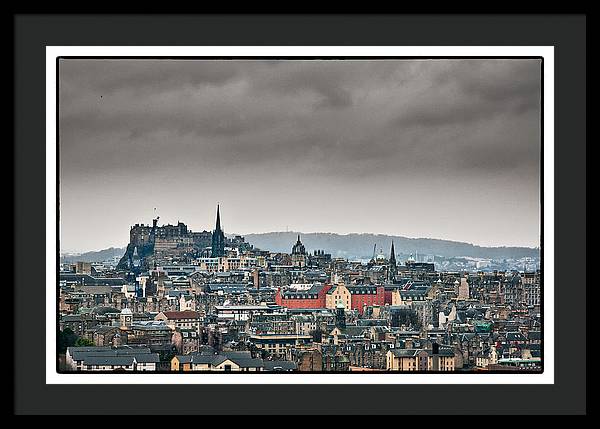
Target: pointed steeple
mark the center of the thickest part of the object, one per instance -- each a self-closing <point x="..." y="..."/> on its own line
<point x="392" y="267"/>
<point x="298" y="248"/>
<point x="218" y="237"/>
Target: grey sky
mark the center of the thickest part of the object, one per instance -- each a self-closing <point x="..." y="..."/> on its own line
<point x="432" y="148"/>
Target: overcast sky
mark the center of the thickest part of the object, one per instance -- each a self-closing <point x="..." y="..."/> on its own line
<point x="444" y="149"/>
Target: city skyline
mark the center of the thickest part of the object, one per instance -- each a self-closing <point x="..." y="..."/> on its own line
<point x="287" y="230"/>
<point x="446" y="149"/>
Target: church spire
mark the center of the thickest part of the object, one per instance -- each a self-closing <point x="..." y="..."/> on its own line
<point x="298" y="248"/>
<point x="299" y="254"/>
<point x="218" y="225"/>
<point x="392" y="268"/>
<point x="218" y="237"/>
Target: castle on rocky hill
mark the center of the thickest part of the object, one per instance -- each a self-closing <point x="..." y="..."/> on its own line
<point x="151" y="245"/>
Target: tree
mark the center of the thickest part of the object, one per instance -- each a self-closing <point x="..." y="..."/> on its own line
<point x="83" y="342"/>
<point x="66" y="338"/>
<point x="167" y="355"/>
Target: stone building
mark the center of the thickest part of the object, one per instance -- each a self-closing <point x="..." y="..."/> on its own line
<point x="435" y="359"/>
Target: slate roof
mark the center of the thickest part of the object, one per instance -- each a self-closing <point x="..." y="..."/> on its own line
<point x="241" y="362"/>
<point x="109" y="360"/>
<point x="121" y="360"/>
<point x="112" y="356"/>
<point x="242" y="359"/>
<point x="404" y="352"/>
<point x="203" y="358"/>
<point x="177" y="315"/>
<point x="475" y="313"/>
<point x="104" y="310"/>
<point x="71" y="318"/>
<point x="87" y="280"/>
<point x="185" y="359"/>
<point x="311" y="293"/>
<point x="80" y="353"/>
<point x="515" y="336"/>
<point x="354" y="331"/>
<point x="178" y="293"/>
<point x="228" y="288"/>
<point x="237" y="355"/>
<point x="413" y="292"/>
<point x="147" y="358"/>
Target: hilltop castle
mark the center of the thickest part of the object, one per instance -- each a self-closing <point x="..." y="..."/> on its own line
<point x="153" y="244"/>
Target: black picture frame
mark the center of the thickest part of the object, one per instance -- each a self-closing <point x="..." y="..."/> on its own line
<point x="567" y="33"/>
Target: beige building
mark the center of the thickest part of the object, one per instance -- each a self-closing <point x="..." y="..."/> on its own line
<point x="447" y="315"/>
<point x="491" y="358"/>
<point x="210" y="264"/>
<point x="230" y="263"/>
<point x="420" y="360"/>
<point x="280" y="344"/>
<point x="187" y="303"/>
<point x="181" y="319"/>
<point x="338" y="294"/>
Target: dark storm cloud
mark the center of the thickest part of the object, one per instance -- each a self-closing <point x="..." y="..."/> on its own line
<point x="109" y="76"/>
<point x="311" y="112"/>
<point x="315" y="125"/>
<point x="466" y="92"/>
<point x="502" y="80"/>
<point x="329" y="84"/>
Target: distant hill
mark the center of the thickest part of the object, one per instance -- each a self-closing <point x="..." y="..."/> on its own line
<point x="352" y="246"/>
<point x="98" y="256"/>
<point x="361" y="245"/>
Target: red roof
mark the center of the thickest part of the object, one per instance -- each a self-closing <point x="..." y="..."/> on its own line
<point x="187" y="314"/>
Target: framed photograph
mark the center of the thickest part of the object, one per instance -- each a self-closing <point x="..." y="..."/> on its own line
<point x="273" y="221"/>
